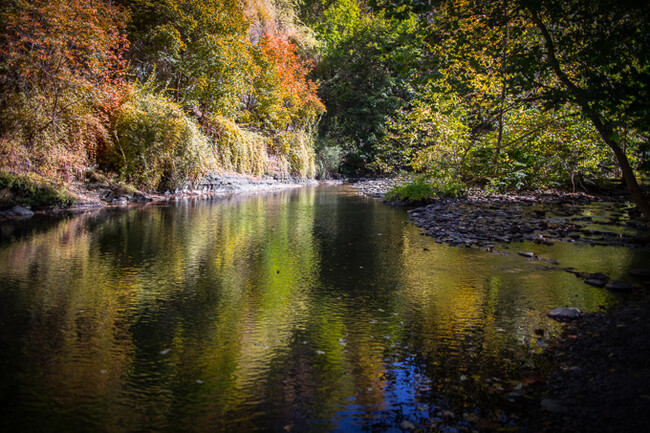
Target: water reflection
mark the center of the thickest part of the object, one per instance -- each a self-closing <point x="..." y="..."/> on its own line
<point x="306" y="310"/>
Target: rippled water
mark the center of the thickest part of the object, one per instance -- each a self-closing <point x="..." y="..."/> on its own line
<point x="305" y="310"/>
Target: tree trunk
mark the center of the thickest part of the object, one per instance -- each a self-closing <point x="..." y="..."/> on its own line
<point x="604" y="131"/>
<point x="624" y="164"/>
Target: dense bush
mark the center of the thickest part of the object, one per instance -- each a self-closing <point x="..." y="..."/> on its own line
<point x="61" y="71"/>
<point x="237" y="149"/>
<point x="328" y="159"/>
<point x="296" y="150"/>
<point x="155" y="144"/>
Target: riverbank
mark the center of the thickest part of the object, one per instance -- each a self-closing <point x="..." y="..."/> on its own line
<point x="595" y="376"/>
<point x="100" y="193"/>
<point x="493" y="221"/>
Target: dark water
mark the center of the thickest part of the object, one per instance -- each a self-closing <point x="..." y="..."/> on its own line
<point x="306" y="310"/>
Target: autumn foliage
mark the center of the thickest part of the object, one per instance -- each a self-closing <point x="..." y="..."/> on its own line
<point x="72" y="92"/>
<point x="300" y="93"/>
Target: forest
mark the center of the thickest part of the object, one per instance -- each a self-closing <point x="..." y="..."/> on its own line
<point x="499" y="95"/>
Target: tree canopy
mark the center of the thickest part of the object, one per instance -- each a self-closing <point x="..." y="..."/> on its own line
<point x="504" y="95"/>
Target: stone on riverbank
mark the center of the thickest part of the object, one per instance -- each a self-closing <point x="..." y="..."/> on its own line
<point x="563" y="314"/>
<point x="482" y="219"/>
<point x="16" y="212"/>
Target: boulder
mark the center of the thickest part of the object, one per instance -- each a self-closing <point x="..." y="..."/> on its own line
<point x="563" y="314"/>
<point x="16" y="211"/>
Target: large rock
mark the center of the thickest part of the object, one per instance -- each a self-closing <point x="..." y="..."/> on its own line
<point x="16" y="212"/>
<point x="22" y="212"/>
<point x="563" y="314"/>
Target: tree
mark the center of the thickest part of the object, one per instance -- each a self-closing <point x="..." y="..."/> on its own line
<point x="199" y="50"/>
<point x="592" y="55"/>
<point x="364" y="84"/>
<point x="62" y="68"/>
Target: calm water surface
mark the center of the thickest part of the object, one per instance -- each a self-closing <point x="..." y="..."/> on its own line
<point x="305" y="310"/>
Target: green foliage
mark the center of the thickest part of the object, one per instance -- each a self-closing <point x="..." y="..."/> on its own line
<point x="31" y="191"/>
<point x="295" y="150"/>
<point x="551" y="55"/>
<point x="199" y="50"/>
<point x="363" y="85"/>
<point x="237" y="149"/>
<point x="155" y="144"/>
<point x="427" y="187"/>
<point x="333" y="21"/>
<point x="328" y="158"/>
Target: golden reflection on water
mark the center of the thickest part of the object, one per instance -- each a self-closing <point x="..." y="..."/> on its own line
<point x="301" y="309"/>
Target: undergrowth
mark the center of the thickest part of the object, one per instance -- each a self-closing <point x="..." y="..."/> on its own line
<point x="423" y="188"/>
<point x="30" y="191"/>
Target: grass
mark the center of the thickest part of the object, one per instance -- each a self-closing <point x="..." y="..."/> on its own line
<point x="30" y="191"/>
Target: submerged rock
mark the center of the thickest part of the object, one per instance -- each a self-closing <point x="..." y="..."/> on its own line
<point x="562" y="314"/>
<point x="16" y="212"/>
<point x="553" y="406"/>
<point x="597" y="276"/>
<point x="595" y="282"/>
<point x="619" y="286"/>
<point x="643" y="274"/>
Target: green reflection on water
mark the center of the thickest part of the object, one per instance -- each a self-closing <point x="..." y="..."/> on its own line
<point x="306" y="310"/>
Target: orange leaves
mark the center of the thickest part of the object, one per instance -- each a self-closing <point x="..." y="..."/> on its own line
<point x="54" y="45"/>
<point x="292" y="72"/>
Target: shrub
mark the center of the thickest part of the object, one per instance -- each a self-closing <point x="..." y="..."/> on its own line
<point x="329" y="159"/>
<point x="61" y="70"/>
<point x="238" y="149"/>
<point x="297" y="148"/>
<point x="155" y="144"/>
<point x="424" y="188"/>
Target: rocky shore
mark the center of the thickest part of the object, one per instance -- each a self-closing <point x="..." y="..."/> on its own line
<point x="594" y="377"/>
<point x="487" y="221"/>
<point x="97" y="195"/>
<point x="599" y="380"/>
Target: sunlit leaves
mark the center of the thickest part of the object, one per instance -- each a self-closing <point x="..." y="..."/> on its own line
<point x="62" y="69"/>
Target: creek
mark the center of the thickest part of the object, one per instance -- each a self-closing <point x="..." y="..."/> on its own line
<point x="314" y="309"/>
